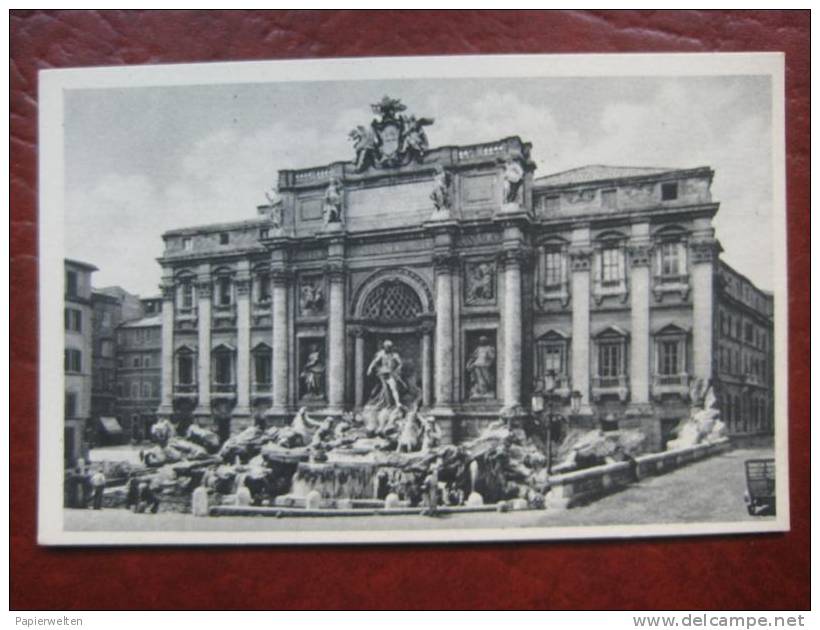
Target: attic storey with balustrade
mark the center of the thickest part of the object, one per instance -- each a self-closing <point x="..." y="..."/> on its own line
<point x="482" y="278"/>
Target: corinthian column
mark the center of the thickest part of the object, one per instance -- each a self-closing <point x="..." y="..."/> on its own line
<point x="513" y="260"/>
<point x="639" y="372"/>
<point x="358" y="365"/>
<point x="580" y="257"/>
<point x="203" y="292"/>
<point x="280" y="278"/>
<point x="243" y="346"/>
<point x="444" y="334"/>
<point x="166" y="406"/>
<point x="336" y="339"/>
<point x="704" y="253"/>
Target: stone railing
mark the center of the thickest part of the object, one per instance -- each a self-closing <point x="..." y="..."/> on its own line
<point x="663" y="384"/>
<point x="582" y="486"/>
<point x="610" y="386"/>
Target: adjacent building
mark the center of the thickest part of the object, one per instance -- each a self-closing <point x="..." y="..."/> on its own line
<point x="484" y="279"/>
<point x="744" y="350"/>
<point x="77" y="362"/>
<point x="138" y="371"/>
<point x="111" y="306"/>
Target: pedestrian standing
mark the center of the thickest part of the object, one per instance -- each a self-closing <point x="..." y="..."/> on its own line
<point x="98" y="486"/>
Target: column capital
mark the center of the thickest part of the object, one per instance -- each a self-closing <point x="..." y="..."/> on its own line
<point x="243" y="286"/>
<point x="168" y="290"/>
<point x="705" y="250"/>
<point x="204" y="288"/>
<point x="640" y="254"/>
<point x="580" y="258"/>
<point x="445" y="262"/>
<point x="335" y="270"/>
<point x="515" y="256"/>
<point x="280" y="275"/>
<point x="427" y="327"/>
<point x="356" y="331"/>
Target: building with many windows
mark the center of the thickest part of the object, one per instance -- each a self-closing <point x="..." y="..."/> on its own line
<point x="745" y="354"/>
<point x="77" y="362"/>
<point x="138" y="371"/>
<point x="483" y="278"/>
<point x="111" y="306"/>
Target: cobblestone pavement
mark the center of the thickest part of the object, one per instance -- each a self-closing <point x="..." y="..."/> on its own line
<point x="706" y="491"/>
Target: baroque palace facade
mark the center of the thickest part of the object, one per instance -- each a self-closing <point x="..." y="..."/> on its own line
<point x="483" y="278"/>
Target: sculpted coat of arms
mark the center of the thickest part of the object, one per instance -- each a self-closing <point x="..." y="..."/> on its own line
<point x="394" y="139"/>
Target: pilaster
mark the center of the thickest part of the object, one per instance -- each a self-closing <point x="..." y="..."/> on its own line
<point x="243" y="285"/>
<point x="203" y="292"/>
<point x="580" y="255"/>
<point x="640" y="255"/>
<point x="704" y="254"/>
<point x="166" y="407"/>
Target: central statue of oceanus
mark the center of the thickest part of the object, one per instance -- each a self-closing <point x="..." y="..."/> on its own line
<point x="392" y="140"/>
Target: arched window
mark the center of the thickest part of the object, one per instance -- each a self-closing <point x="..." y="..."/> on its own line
<point x="392" y="300"/>
<point x="185" y="366"/>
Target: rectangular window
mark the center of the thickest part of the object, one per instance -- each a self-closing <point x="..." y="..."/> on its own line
<point x="263" y="287"/>
<point x="70" y="405"/>
<point x="146" y="361"/>
<point x="750" y="333"/>
<point x="224" y="238"/>
<point x="669" y="192"/>
<point x="73" y="319"/>
<point x="107" y="348"/>
<point x="264" y="233"/>
<point x="553" y="268"/>
<point x="187" y="243"/>
<point x="187" y="294"/>
<point x="670" y="254"/>
<point x="135" y="362"/>
<point x="73" y="360"/>
<point x="146" y="390"/>
<point x="611" y="268"/>
<point x="669" y="359"/>
<point x="554" y="359"/>
<point x="71" y="283"/>
<point x="185" y="369"/>
<point x="224" y="288"/>
<point x="222" y="371"/>
<point x="609" y="198"/>
<point x="135" y="390"/>
<point x="106" y="319"/>
<point x="262" y="368"/>
<point x="609" y="359"/>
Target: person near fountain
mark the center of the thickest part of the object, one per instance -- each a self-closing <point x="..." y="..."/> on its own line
<point x="387" y="364"/>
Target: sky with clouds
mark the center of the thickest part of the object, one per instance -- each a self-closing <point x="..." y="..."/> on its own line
<point x="140" y="161"/>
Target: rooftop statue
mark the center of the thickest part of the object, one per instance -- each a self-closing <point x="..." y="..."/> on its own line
<point x="392" y="140"/>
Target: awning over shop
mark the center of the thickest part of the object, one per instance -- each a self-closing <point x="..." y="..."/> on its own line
<point x="110" y="425"/>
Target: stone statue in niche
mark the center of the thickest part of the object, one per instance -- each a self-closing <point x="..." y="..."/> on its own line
<point x="441" y="190"/>
<point x="481" y="368"/>
<point x="480" y="283"/>
<point x="513" y="180"/>
<point x="333" y="202"/>
<point x="387" y="365"/>
<point x="313" y="373"/>
<point x="311" y="297"/>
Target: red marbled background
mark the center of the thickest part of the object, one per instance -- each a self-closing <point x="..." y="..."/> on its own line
<point x="762" y="571"/>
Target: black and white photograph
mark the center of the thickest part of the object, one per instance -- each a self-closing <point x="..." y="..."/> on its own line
<point x="413" y="300"/>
